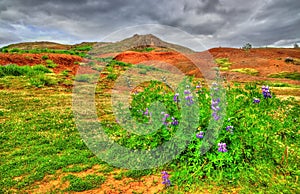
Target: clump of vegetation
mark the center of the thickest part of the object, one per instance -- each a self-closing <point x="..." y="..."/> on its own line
<point x="223" y="63"/>
<point x="294" y="61"/>
<point x="86" y="183"/>
<point x="85" y="77"/>
<point x="42" y="80"/>
<point x="82" y="52"/>
<point x="247" y="46"/>
<point x="65" y="73"/>
<point x="146" y="49"/>
<point x="45" y="57"/>
<point x="248" y="71"/>
<point x="83" y="48"/>
<point x="15" y="70"/>
<point x="50" y="64"/>
<point x="112" y="76"/>
<point x="288" y="75"/>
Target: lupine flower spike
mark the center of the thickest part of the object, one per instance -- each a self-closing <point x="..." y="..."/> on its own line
<point x="165" y="177"/>
<point x="176" y="97"/>
<point x="200" y="135"/>
<point x="266" y="92"/>
<point x="256" y="100"/>
<point x="229" y="129"/>
<point x="222" y="147"/>
<point x="215" y="107"/>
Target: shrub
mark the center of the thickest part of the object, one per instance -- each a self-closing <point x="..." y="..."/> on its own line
<point x="15" y="70"/>
<point x="65" y="72"/>
<point x="42" y="80"/>
<point x="51" y="64"/>
<point x="45" y="57"/>
<point x="223" y="63"/>
<point x="247" y="46"/>
<point x="112" y="76"/>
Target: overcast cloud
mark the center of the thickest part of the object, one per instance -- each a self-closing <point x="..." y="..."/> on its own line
<point x="229" y="23"/>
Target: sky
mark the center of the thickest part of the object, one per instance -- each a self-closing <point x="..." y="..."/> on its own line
<point x="209" y="23"/>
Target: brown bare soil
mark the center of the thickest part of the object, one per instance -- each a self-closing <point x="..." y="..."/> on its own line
<point x="147" y="184"/>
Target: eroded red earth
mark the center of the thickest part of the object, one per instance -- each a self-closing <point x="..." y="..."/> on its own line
<point x="265" y="60"/>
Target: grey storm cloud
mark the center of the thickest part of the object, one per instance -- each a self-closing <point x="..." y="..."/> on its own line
<point x="215" y="22"/>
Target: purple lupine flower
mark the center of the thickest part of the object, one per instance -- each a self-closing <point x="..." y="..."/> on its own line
<point x="256" y="100"/>
<point x="215" y="108"/>
<point x="165" y="118"/>
<point x="146" y="112"/>
<point x="186" y="92"/>
<point x="229" y="129"/>
<point x="189" y="100"/>
<point x="198" y="86"/>
<point x="215" y="102"/>
<point x="200" y="135"/>
<point x="176" y="97"/>
<point x="215" y="115"/>
<point x="174" y="122"/>
<point x="165" y="177"/>
<point x="222" y="147"/>
<point x="266" y="92"/>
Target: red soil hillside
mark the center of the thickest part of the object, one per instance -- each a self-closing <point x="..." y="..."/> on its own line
<point x="178" y="60"/>
<point x="64" y="61"/>
<point x="265" y="61"/>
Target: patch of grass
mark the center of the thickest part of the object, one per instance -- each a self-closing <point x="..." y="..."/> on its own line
<point x="16" y="70"/>
<point x="80" y="51"/>
<point x="223" y="63"/>
<point x="112" y="76"/>
<point x="50" y="64"/>
<point x="146" y="49"/>
<point x="42" y="80"/>
<point x="136" y="174"/>
<point x="248" y="71"/>
<point x="106" y="169"/>
<point x="65" y="73"/>
<point x="85" y="183"/>
<point x="83" y="48"/>
<point x="45" y="57"/>
<point x="288" y="75"/>
<point x="85" y="77"/>
<point x="76" y="168"/>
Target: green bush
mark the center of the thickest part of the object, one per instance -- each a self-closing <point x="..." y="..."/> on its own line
<point x="223" y="63"/>
<point x="44" y="57"/>
<point x="112" y="76"/>
<point x="50" y="63"/>
<point x="42" y="80"/>
<point x="15" y="70"/>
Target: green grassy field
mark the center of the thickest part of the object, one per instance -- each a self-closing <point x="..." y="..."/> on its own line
<point x="40" y="143"/>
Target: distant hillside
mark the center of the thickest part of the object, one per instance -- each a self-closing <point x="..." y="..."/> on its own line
<point x="138" y="42"/>
<point x="135" y="42"/>
<point x="47" y="45"/>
